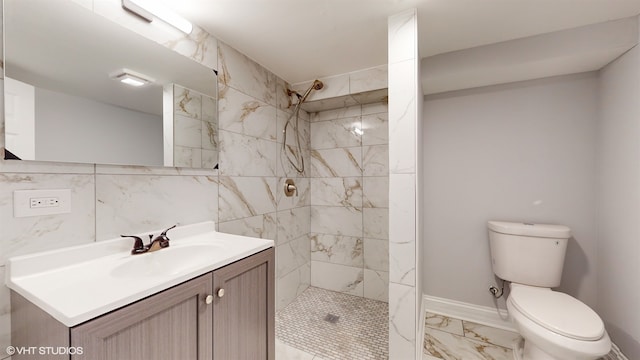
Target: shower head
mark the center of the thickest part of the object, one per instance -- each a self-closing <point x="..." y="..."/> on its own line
<point x="318" y="85"/>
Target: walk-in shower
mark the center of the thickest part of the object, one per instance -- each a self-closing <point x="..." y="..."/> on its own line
<point x="296" y="152"/>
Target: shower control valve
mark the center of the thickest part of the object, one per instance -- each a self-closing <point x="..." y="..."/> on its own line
<point x="290" y="188"/>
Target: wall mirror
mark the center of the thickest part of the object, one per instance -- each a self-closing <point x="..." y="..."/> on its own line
<point x="67" y="98"/>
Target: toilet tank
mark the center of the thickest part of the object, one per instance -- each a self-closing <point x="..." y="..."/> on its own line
<point x="530" y="254"/>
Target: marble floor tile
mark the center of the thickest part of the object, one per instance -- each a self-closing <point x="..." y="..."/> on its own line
<point x="444" y="323"/>
<point x="288" y="352"/>
<point x="453" y="339"/>
<point x="447" y="346"/>
<point x="490" y="334"/>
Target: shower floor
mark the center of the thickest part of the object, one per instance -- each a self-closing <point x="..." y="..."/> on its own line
<point x="360" y="331"/>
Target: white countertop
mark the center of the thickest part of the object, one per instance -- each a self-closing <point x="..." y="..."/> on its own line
<point x="80" y="283"/>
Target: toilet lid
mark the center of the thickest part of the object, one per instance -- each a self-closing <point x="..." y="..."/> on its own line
<point x="558" y="312"/>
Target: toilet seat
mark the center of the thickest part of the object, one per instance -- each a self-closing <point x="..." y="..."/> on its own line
<point x="558" y="312"/>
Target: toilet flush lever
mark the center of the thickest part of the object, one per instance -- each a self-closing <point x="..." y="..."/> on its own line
<point x="290" y="188"/>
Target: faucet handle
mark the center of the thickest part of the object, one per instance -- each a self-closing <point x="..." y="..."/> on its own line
<point x="164" y="233"/>
<point x="138" y="245"/>
<point x="163" y="239"/>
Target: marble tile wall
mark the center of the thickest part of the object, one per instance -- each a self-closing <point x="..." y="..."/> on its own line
<point x="404" y="288"/>
<point x="253" y="109"/>
<point x="349" y="200"/>
<point x="195" y="129"/>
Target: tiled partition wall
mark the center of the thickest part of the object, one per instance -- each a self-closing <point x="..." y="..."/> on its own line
<point x="349" y="200"/>
<point x="245" y="197"/>
<point x="405" y="99"/>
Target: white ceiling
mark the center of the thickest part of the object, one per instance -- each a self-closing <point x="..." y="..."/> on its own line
<point x="304" y="39"/>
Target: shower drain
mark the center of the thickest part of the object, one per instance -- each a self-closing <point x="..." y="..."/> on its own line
<point x="331" y="318"/>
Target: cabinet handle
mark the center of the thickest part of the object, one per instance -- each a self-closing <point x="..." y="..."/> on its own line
<point x="220" y="292"/>
<point x="208" y="299"/>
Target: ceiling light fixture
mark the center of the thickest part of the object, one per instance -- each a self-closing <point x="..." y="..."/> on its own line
<point x="150" y="9"/>
<point x="132" y="78"/>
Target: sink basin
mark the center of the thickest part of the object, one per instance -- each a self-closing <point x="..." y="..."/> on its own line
<point x="166" y="262"/>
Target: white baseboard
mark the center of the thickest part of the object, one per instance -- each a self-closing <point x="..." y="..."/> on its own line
<point x="615" y="354"/>
<point x="464" y="311"/>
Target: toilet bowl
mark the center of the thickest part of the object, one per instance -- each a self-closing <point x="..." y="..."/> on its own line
<point x="555" y="326"/>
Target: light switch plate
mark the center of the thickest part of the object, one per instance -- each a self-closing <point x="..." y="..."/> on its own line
<point x="41" y="202"/>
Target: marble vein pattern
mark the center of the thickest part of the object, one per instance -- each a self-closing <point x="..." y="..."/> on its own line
<point x="403" y="122"/>
<point x="450" y="338"/>
<point x="376" y="108"/>
<point x="337" y="191"/>
<point x="293" y="223"/>
<point x="402" y="119"/>
<point x="299" y="199"/>
<point x="39" y="233"/>
<point x="375" y="192"/>
<point x="375" y="223"/>
<point x="242" y="155"/>
<point x="334" y="86"/>
<point x="336" y="133"/>
<point x="339" y="113"/>
<point x="195" y="133"/>
<point x="337" y="249"/>
<point x="402" y="334"/>
<point x="242" y="196"/>
<point x="402" y="224"/>
<point x="375" y="128"/>
<point x="368" y="79"/>
<point x="245" y="75"/>
<point x="303" y="123"/>
<point x="336" y="220"/>
<point x="261" y="226"/>
<point x="188" y="103"/>
<point x="292" y="255"/>
<point x="187" y="131"/>
<point x="288" y="352"/>
<point x="285" y="168"/>
<point x="376" y="254"/>
<point x="290" y="286"/>
<point x="283" y="99"/>
<point x="443" y="323"/>
<point x="375" y="160"/>
<point x="243" y="114"/>
<point x="341" y="162"/>
<point x="199" y="45"/>
<point x="376" y="285"/>
<point x="137" y="203"/>
<point x="490" y="335"/>
<point x="448" y="346"/>
<point x="335" y="277"/>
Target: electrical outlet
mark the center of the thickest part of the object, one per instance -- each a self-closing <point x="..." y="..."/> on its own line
<point x="44" y="202"/>
<point x="41" y="202"/>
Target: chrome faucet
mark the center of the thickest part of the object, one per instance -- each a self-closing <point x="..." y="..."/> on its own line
<point x="161" y="241"/>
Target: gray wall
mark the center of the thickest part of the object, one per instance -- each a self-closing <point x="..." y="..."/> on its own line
<point x="75" y="129"/>
<point x="618" y="179"/>
<point x="517" y="152"/>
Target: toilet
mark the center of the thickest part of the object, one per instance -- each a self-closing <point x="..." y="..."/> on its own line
<point x="554" y="325"/>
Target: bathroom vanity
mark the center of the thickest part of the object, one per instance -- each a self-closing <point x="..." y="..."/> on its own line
<point x="221" y="308"/>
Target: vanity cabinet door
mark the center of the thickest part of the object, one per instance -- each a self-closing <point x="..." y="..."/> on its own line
<point x="173" y="324"/>
<point x="243" y="311"/>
